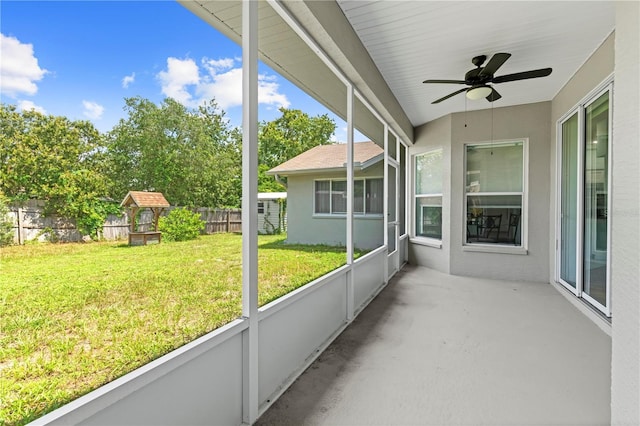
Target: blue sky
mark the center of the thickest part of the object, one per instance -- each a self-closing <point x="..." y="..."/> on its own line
<point x="81" y="59"/>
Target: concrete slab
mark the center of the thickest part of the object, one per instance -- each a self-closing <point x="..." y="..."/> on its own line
<point x="436" y="349"/>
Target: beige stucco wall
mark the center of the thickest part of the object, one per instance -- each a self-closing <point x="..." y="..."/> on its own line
<point x="595" y="71"/>
<point x="304" y="227"/>
<point x="625" y="232"/>
<point x="431" y="136"/>
<point x="523" y="121"/>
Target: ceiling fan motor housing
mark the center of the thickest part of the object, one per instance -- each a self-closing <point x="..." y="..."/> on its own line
<point x="482" y="78"/>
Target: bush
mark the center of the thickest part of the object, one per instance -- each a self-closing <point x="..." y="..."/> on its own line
<point x="6" y="226"/>
<point x="180" y="225"/>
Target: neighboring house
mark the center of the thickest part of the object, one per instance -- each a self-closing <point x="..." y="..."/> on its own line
<point x="317" y="188"/>
<point x="272" y="213"/>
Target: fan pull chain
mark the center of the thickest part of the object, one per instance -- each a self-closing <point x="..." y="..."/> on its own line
<point x="465" y="111"/>
<point x="491" y="128"/>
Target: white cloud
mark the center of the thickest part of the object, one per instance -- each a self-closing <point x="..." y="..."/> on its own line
<point x="220" y="80"/>
<point x="127" y="80"/>
<point x="268" y="92"/>
<point x="226" y="88"/>
<point x="19" y="69"/>
<point x="180" y="74"/>
<point x="28" y="105"/>
<point x="92" y="110"/>
<point x="218" y="64"/>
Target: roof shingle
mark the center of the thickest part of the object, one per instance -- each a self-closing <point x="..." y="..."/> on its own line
<point x="323" y="157"/>
<point x="145" y="199"/>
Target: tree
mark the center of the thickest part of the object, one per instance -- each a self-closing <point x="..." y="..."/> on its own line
<point x="192" y="156"/>
<point x="57" y="160"/>
<point x="36" y="149"/>
<point x="6" y="225"/>
<point x="79" y="195"/>
<point x="287" y="136"/>
<point x="292" y="134"/>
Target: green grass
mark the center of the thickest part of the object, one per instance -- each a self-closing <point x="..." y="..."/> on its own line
<point x="76" y="316"/>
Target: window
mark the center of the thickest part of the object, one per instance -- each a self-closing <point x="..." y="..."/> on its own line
<point x="331" y="196"/>
<point x="428" y="194"/>
<point x="495" y="183"/>
<point x="260" y="207"/>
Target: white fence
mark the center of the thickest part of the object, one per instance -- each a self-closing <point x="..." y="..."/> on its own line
<point x="30" y="223"/>
<point x="203" y="382"/>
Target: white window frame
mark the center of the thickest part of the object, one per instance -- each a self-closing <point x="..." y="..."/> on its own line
<point x="524" y="211"/>
<point x="343" y="214"/>
<point x="415" y="238"/>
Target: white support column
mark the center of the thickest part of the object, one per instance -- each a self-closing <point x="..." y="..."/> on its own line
<point x="385" y="197"/>
<point x="350" y="281"/>
<point x="249" y="208"/>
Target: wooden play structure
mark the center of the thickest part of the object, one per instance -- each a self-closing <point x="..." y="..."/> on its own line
<point x="136" y="200"/>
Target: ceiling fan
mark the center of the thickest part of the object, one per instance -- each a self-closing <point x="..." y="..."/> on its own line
<point x="480" y="78"/>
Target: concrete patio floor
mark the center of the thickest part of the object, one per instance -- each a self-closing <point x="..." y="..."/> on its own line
<point x="435" y="349"/>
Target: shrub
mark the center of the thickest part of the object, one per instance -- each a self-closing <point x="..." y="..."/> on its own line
<point x="180" y="225"/>
<point x="6" y="226"/>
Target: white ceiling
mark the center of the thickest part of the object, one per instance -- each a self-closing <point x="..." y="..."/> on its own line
<point x="411" y="41"/>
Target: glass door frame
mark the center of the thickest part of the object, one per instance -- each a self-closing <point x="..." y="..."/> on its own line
<point x="580" y="109"/>
<point x="393" y="226"/>
<point x="577" y="290"/>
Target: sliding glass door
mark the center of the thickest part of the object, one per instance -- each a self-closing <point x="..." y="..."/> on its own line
<point x="569" y="203"/>
<point x="583" y="224"/>
<point x="596" y="199"/>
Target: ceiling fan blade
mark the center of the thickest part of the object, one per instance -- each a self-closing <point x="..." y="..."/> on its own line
<point x="543" y="72"/>
<point x="450" y="95"/>
<point x="445" y="81"/>
<point x="494" y="63"/>
<point x="493" y="96"/>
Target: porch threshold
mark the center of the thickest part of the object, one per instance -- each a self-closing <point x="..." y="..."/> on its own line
<point x="437" y="349"/>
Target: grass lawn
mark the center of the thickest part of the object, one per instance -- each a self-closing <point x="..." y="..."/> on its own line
<point x="76" y="316"/>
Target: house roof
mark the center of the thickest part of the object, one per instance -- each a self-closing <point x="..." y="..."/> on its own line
<point x="330" y="157"/>
<point x="144" y="199"/>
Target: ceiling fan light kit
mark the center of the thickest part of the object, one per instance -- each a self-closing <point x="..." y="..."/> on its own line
<point x="480" y="77"/>
<point x="480" y="92"/>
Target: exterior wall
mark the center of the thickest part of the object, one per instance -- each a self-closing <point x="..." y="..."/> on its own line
<point x="523" y="121"/>
<point x="304" y="227"/>
<point x="625" y="235"/>
<point x="594" y="71"/>
<point x="269" y="220"/>
<point x="433" y="135"/>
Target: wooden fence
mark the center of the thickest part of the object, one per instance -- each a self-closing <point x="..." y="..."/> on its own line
<point x="30" y="224"/>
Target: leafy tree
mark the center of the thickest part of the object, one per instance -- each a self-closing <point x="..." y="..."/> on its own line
<point x="6" y="226"/>
<point x="291" y="134"/>
<point x="79" y="195"/>
<point x="57" y="160"/>
<point x="36" y="149"/>
<point x="192" y="156"/>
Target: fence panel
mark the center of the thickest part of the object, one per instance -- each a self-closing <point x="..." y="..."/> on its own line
<point x="29" y="223"/>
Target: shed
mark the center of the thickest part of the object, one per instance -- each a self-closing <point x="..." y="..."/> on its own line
<point x="136" y="200"/>
<point x="272" y="216"/>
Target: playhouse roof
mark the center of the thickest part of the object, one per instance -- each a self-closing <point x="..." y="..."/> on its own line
<point x="144" y="199"/>
<point x="331" y="157"/>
